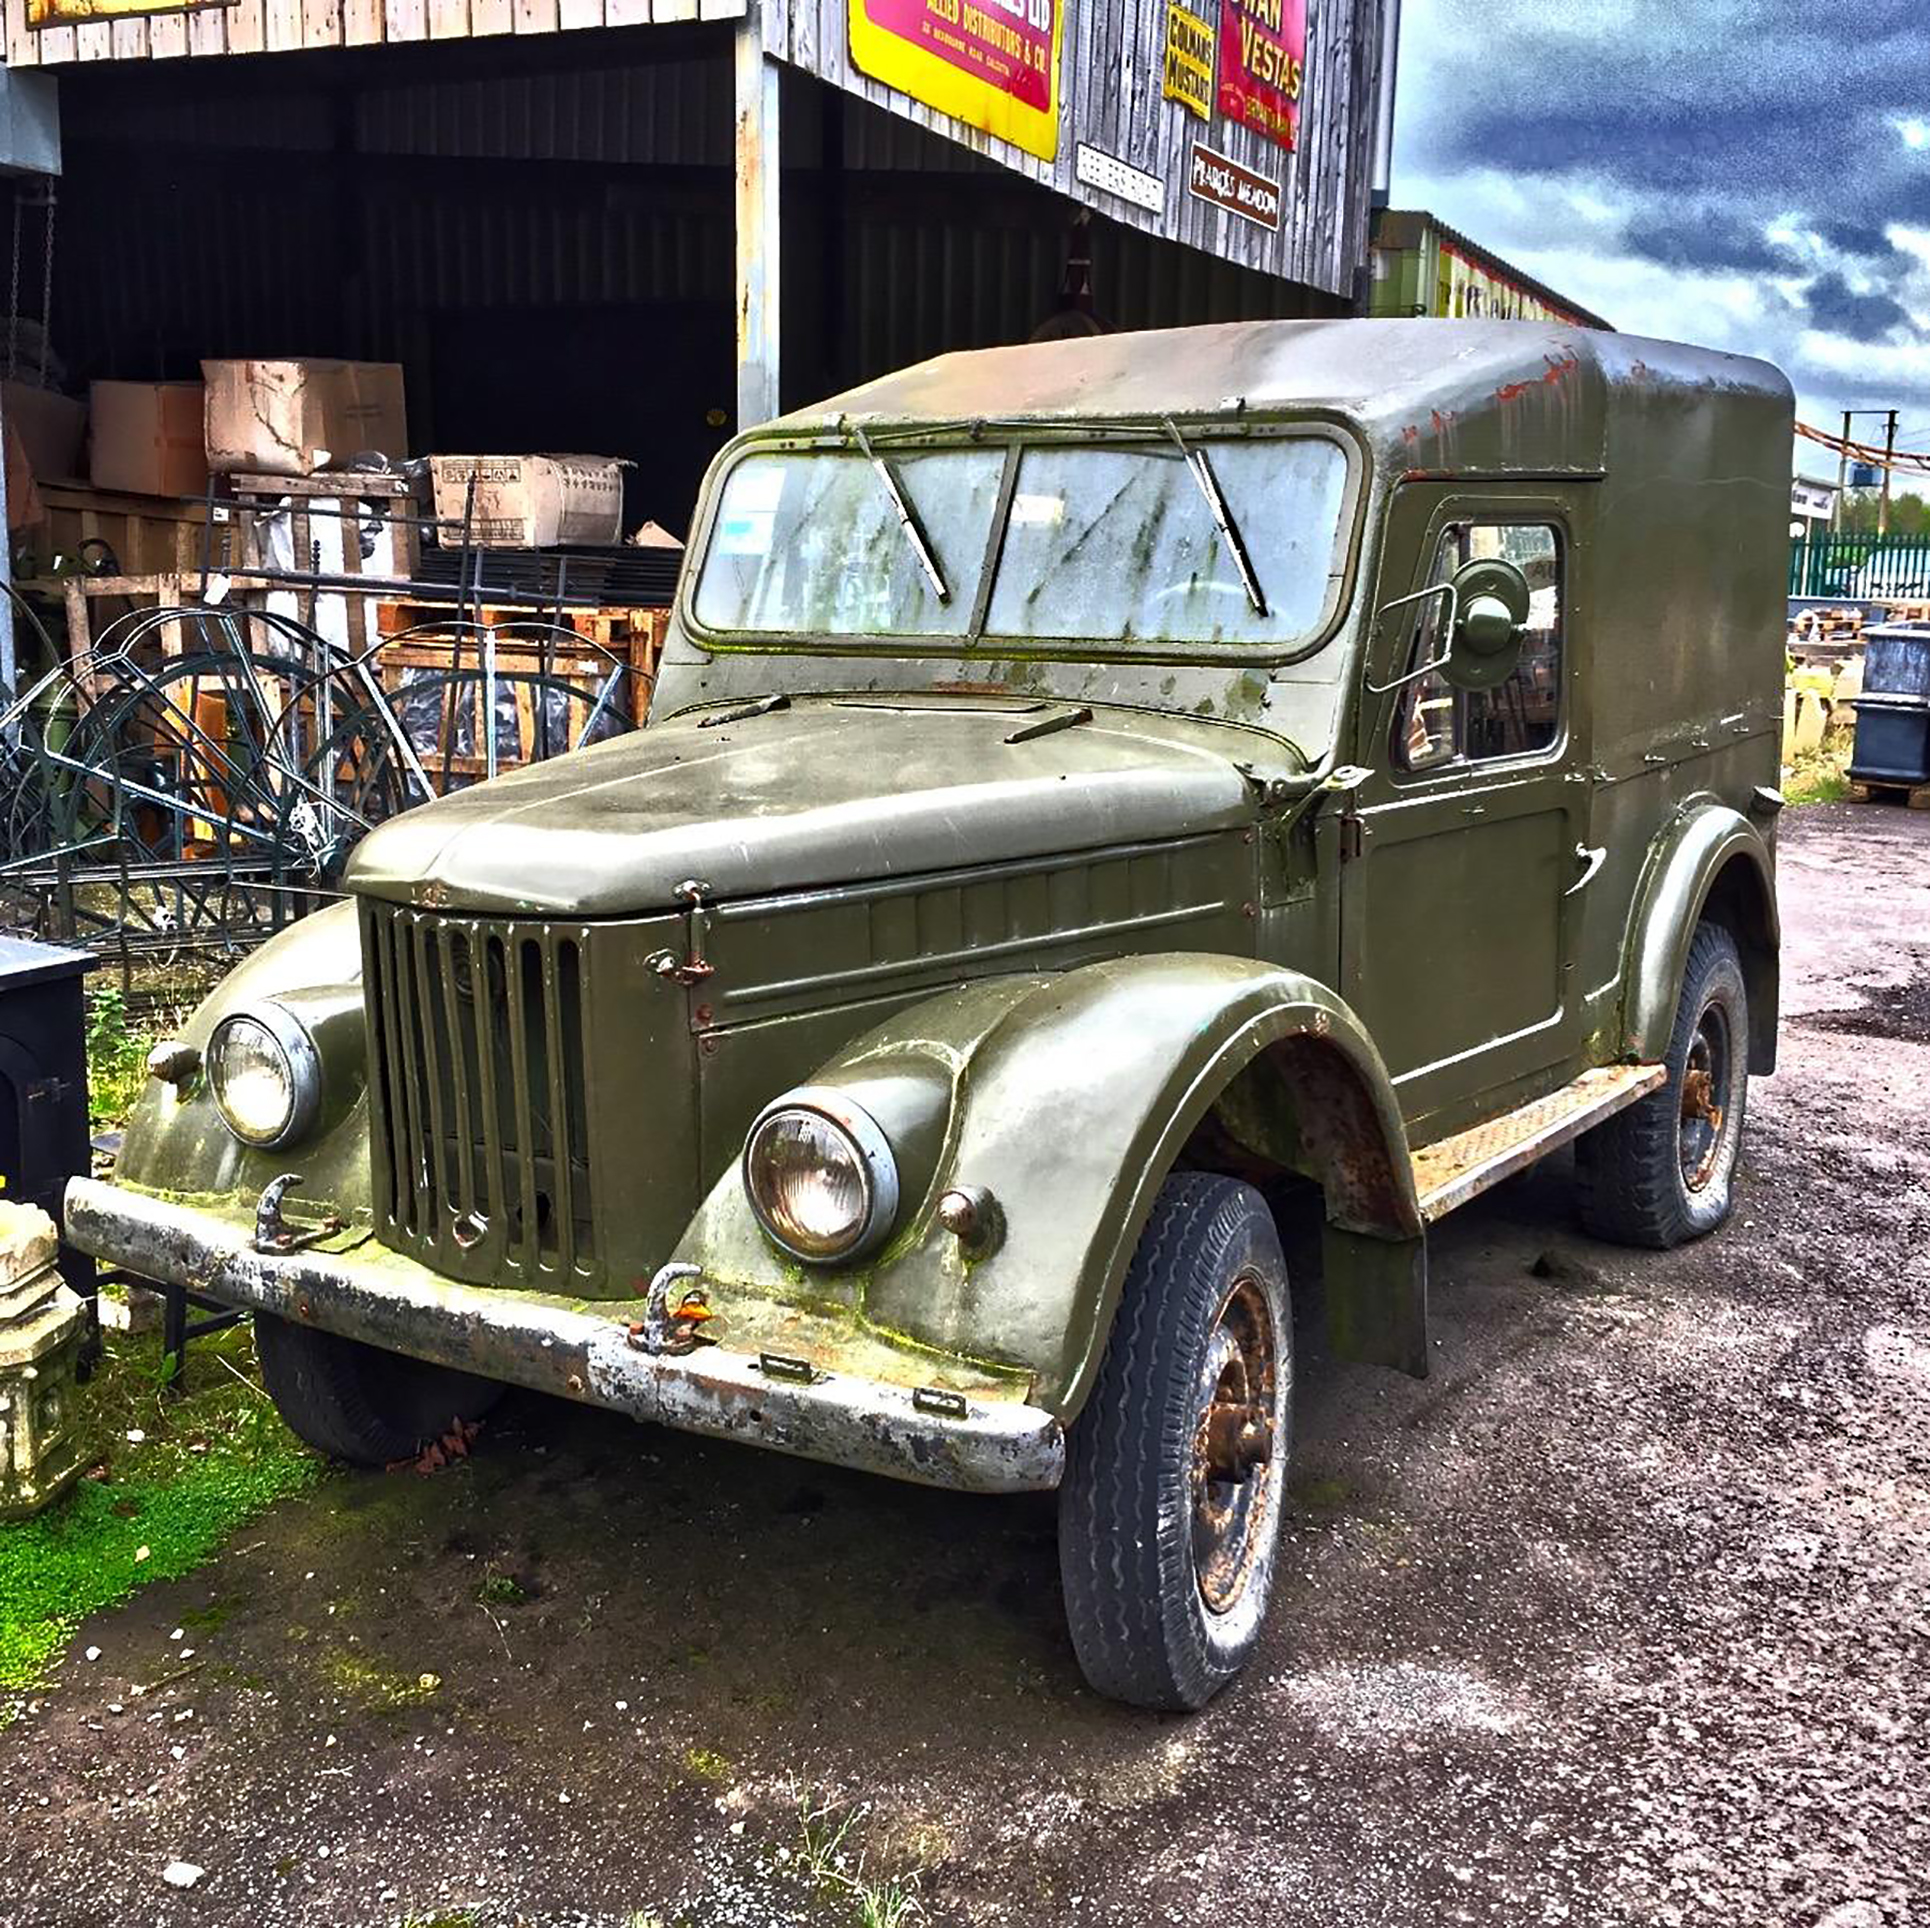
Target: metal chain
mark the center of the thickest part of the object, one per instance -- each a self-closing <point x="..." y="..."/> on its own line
<point x="47" y="281"/>
<point x="13" y="290"/>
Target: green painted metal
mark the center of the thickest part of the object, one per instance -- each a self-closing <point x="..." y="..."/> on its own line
<point x="1064" y="914"/>
<point x="1859" y="567"/>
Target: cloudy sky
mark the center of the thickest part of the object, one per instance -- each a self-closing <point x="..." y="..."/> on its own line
<point x="1750" y="174"/>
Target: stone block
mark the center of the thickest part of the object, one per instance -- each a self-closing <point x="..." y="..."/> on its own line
<point x="41" y="1325"/>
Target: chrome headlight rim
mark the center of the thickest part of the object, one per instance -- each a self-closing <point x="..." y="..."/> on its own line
<point x="300" y="1057"/>
<point x="875" y="1160"/>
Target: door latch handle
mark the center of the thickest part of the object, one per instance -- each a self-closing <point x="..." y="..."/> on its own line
<point x="1591" y="861"/>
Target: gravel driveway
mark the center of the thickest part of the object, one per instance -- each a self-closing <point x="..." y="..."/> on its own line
<point x="1619" y="1618"/>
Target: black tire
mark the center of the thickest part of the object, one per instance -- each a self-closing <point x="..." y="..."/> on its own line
<point x="357" y="1402"/>
<point x="1163" y="1613"/>
<point x="1663" y="1171"/>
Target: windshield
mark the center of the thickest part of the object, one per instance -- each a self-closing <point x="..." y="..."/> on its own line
<point x="814" y="542"/>
<point x="1105" y="542"/>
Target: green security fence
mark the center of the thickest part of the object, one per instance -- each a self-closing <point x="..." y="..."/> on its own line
<point x="1860" y="568"/>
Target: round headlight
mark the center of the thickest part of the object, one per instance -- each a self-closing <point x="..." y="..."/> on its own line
<point x="820" y="1176"/>
<point x="266" y="1075"/>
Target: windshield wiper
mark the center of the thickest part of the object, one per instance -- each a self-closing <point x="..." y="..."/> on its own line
<point x="907" y="515"/>
<point x="1209" y="488"/>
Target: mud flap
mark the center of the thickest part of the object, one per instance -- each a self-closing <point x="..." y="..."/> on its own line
<point x="1376" y="1298"/>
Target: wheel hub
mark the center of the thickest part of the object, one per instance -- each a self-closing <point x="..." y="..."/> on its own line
<point x="1705" y="1077"/>
<point x="1234" y="1472"/>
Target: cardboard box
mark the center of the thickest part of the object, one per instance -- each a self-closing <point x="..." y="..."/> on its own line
<point x="294" y="417"/>
<point x="52" y="430"/>
<point x="529" y="501"/>
<point x="145" y="438"/>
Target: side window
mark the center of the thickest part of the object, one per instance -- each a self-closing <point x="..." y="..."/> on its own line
<point x="1436" y="724"/>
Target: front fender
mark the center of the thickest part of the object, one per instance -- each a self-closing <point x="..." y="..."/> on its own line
<point x="1069" y="1100"/>
<point x="175" y="1141"/>
<point x="1711" y="860"/>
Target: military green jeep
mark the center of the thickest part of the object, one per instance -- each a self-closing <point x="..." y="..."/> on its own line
<point x="1099" y="795"/>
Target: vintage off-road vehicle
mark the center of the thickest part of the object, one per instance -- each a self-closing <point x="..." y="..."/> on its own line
<point x="1097" y="793"/>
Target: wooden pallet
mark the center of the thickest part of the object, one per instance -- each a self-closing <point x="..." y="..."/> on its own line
<point x="633" y="636"/>
<point x="137" y="535"/>
<point x="1915" y="796"/>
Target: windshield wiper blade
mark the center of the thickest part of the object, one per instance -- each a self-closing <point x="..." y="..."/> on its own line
<point x="1209" y="488"/>
<point x="907" y="515"/>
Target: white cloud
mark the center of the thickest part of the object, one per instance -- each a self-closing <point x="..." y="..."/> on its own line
<point x="1872" y="364"/>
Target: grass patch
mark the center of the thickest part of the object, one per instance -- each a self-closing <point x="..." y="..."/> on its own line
<point x="835" y="1865"/>
<point x="1821" y="776"/>
<point x="157" y="1506"/>
<point x="500" y="1590"/>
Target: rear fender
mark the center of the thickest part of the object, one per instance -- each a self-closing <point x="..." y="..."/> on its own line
<point x="1709" y="862"/>
<point x="1068" y="1100"/>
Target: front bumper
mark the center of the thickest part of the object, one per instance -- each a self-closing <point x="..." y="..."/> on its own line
<point x="370" y="1294"/>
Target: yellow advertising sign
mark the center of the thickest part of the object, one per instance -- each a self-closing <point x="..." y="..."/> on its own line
<point x="993" y="64"/>
<point x="1189" y="61"/>
<point x="78" y="13"/>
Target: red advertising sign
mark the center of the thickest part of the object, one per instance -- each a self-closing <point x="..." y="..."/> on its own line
<point x="992" y="63"/>
<point x="1263" y="51"/>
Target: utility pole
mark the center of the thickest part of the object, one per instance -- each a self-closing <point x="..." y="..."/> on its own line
<point x="1842" y="479"/>
<point x="1889" y="450"/>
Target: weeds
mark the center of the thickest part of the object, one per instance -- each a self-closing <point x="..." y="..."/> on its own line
<point x="833" y="1866"/>
<point x="116" y="1058"/>
<point x="1820" y="776"/>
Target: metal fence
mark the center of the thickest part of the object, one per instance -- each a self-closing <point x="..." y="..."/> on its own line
<point x="1860" y="568"/>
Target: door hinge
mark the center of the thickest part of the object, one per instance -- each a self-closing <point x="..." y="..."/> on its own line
<point x="1353" y="839"/>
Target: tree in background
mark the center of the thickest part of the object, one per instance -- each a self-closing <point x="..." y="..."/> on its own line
<point x="1909" y="514"/>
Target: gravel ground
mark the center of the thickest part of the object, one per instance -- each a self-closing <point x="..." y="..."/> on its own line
<point x="1619" y="1619"/>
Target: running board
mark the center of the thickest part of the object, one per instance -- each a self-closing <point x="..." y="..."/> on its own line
<point x="1453" y="1170"/>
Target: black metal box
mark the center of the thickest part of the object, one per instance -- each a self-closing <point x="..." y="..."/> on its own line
<point x="43" y="1082"/>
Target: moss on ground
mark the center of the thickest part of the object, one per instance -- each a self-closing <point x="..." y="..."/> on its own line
<point x="153" y="1507"/>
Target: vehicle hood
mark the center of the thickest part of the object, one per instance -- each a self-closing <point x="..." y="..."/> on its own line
<point x="822" y="791"/>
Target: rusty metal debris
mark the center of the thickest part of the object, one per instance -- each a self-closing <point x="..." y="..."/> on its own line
<point x="199" y="778"/>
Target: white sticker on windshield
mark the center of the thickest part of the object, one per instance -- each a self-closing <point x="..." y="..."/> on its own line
<point x="758" y="485"/>
<point x="1038" y="511"/>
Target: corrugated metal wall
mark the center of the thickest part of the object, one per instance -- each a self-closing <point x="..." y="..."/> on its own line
<point x="548" y="249"/>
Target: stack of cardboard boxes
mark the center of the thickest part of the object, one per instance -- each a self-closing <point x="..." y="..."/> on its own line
<point x="287" y="418"/>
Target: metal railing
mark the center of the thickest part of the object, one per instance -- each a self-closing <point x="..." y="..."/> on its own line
<point x="1860" y="568"/>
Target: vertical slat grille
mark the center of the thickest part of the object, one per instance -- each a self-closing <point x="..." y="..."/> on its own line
<point x="479" y="1113"/>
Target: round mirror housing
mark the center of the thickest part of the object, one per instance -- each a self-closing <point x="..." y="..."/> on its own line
<point x="1492" y="601"/>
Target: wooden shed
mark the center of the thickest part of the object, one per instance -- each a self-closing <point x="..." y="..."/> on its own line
<point x="632" y="225"/>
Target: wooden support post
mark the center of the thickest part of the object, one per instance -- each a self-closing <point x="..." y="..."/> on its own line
<point x="757" y="225"/>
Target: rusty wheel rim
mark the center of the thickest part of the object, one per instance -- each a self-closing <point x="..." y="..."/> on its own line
<point x="1234" y="1471"/>
<point x="1701" y="1127"/>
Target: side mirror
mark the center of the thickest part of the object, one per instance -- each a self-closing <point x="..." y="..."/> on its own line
<point x="1491" y="604"/>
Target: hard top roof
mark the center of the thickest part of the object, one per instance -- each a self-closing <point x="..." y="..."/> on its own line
<point x="1398" y="379"/>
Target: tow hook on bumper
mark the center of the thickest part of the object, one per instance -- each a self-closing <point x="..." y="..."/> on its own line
<point x="930" y="1435"/>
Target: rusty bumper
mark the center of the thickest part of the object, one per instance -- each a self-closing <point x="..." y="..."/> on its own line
<point x="370" y="1294"/>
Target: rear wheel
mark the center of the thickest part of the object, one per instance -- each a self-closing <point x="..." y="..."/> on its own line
<point x="358" y="1402"/>
<point x="1663" y="1171"/>
<point x="1169" y="1518"/>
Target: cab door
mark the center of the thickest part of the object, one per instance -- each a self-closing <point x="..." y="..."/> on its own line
<point x="1466" y="860"/>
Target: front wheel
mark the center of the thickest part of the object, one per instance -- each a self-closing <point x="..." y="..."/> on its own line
<point x="1663" y="1171"/>
<point x="1169" y="1517"/>
<point x="358" y="1402"/>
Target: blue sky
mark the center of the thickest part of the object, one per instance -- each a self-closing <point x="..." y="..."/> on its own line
<point x="1750" y="174"/>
